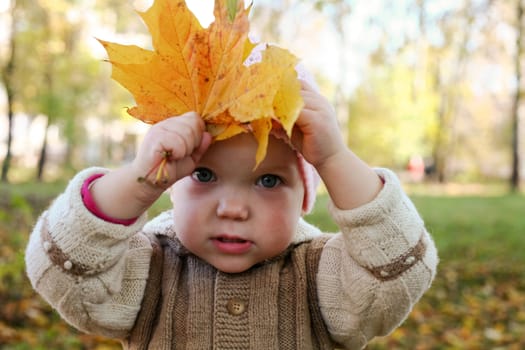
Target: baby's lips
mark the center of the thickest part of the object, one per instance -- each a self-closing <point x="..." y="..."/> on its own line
<point x="231" y="244"/>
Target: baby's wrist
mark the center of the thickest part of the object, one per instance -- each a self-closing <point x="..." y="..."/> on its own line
<point x="119" y="195"/>
<point x="92" y="206"/>
<point x="333" y="160"/>
<point x="144" y="189"/>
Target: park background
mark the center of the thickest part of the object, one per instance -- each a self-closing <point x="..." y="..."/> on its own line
<point x="429" y="88"/>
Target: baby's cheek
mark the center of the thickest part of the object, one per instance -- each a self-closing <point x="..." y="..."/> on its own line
<point x="184" y="220"/>
<point x="282" y="227"/>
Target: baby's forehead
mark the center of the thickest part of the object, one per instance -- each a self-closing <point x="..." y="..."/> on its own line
<point x="243" y="149"/>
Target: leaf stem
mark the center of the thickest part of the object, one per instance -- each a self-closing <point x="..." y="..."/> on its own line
<point x="162" y="175"/>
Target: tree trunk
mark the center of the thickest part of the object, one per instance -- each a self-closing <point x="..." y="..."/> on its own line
<point x="43" y="155"/>
<point x="7" y="78"/>
<point x="450" y="100"/>
<point x="515" y="174"/>
<point x="6" y="164"/>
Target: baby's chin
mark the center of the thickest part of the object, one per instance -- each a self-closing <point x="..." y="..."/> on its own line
<point x="232" y="268"/>
<point x="233" y="265"/>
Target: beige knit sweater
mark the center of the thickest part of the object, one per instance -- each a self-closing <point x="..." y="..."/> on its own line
<point x="369" y="276"/>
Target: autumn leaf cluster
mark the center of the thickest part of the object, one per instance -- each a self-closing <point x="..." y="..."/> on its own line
<point x="204" y="70"/>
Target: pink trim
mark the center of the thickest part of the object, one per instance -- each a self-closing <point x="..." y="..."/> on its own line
<point x="90" y="204"/>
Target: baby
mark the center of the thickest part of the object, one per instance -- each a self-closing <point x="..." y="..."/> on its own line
<point x="234" y="265"/>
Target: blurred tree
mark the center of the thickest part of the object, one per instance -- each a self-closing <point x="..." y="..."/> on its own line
<point x="444" y="69"/>
<point x="389" y="124"/>
<point x="56" y="76"/>
<point x="392" y="111"/>
<point x="8" y="79"/>
<point x="52" y="76"/>
<point x="515" y="141"/>
<point x="477" y="73"/>
<point x="67" y="78"/>
<point x="284" y="20"/>
<point x="450" y="79"/>
<point x="338" y="11"/>
<point x="439" y="82"/>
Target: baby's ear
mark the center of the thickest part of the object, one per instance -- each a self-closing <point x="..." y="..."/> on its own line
<point x="311" y="180"/>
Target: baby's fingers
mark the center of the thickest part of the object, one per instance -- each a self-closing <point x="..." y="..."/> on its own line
<point x="205" y="143"/>
<point x="182" y="135"/>
<point x="169" y="144"/>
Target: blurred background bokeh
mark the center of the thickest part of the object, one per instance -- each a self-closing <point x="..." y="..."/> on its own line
<point x="430" y="88"/>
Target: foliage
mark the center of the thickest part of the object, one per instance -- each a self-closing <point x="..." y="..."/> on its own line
<point x="385" y="107"/>
<point x="476" y="301"/>
<point x="54" y="76"/>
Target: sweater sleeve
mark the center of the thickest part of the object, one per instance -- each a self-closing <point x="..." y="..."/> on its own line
<point x="373" y="272"/>
<point x="91" y="271"/>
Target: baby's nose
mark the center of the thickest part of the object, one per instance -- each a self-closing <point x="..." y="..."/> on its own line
<point x="232" y="207"/>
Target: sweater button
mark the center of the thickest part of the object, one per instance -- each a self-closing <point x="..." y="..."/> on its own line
<point x="236" y="306"/>
<point x="410" y="260"/>
<point x="47" y="246"/>
<point x="68" y="265"/>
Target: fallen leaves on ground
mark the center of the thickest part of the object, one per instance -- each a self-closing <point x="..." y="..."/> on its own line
<point x="470" y="306"/>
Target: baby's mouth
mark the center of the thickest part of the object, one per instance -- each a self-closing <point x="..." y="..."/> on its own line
<point x="231" y="244"/>
<point x="231" y="240"/>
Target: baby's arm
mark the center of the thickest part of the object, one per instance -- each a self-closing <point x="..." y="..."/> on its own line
<point x="317" y="136"/>
<point x="118" y="194"/>
<point x="93" y="271"/>
<point x="374" y="271"/>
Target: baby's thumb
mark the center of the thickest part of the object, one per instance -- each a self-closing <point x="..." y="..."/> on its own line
<point x="203" y="147"/>
<point x="297" y="139"/>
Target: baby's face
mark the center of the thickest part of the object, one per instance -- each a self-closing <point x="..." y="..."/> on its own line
<point x="233" y="216"/>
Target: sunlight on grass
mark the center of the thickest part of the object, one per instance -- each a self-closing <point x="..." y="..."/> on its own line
<point x="477" y="228"/>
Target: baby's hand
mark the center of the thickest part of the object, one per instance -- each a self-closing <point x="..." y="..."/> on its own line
<point x="318" y="138"/>
<point x="316" y="133"/>
<point x="173" y="147"/>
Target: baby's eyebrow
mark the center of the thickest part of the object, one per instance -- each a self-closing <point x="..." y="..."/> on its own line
<point x="288" y="168"/>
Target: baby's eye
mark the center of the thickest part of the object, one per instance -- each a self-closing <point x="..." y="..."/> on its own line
<point x="269" y="181"/>
<point x="203" y="175"/>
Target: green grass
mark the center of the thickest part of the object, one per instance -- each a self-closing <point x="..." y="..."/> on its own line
<point x="475" y="302"/>
<point x="476" y="228"/>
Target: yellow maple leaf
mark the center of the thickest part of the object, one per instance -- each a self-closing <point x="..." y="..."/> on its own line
<point x="203" y="69"/>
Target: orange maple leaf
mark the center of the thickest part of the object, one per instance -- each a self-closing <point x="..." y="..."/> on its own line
<point x="203" y="69"/>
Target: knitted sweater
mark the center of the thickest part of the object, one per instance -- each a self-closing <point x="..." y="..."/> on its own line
<point x="271" y="306"/>
<point x="367" y="279"/>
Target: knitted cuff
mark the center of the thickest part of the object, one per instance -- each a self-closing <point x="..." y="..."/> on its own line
<point x="386" y="230"/>
<point x="76" y="239"/>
